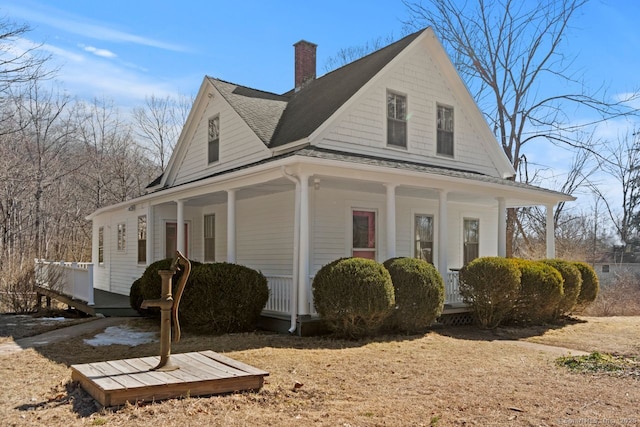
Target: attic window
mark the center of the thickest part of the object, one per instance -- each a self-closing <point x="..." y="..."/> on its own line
<point x="396" y="120"/>
<point x="214" y="139"/>
<point x="445" y="130"/>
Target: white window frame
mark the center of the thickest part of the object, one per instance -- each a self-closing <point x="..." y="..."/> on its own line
<point x="395" y="119"/>
<point x="204" y="237"/>
<point x="139" y="235"/>
<point x="464" y="220"/>
<point x="213" y="142"/>
<point x="414" y="234"/>
<point x="101" y="245"/>
<point x="121" y="238"/>
<point x="453" y="130"/>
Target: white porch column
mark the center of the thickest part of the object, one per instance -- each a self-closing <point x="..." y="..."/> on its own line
<point x="231" y="226"/>
<point x="303" y="269"/>
<point x="551" y="239"/>
<point x="391" y="220"/>
<point x="442" y="234"/>
<point x="502" y="227"/>
<point x="180" y="227"/>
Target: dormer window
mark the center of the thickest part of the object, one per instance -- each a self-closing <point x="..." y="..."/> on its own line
<point x="445" y="130"/>
<point x="396" y="120"/>
<point x="214" y="139"/>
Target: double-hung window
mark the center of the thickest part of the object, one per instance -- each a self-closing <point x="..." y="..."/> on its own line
<point x="209" y="238"/>
<point x="214" y="139"/>
<point x="122" y="242"/>
<point x="444" y="122"/>
<point x="471" y="239"/>
<point x="100" y="245"/>
<point x="423" y="249"/>
<point x="142" y="239"/>
<point x="396" y="120"/>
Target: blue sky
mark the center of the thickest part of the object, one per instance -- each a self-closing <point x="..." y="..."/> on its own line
<point x="126" y="50"/>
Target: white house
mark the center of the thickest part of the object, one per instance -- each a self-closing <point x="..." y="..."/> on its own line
<point x="386" y="156"/>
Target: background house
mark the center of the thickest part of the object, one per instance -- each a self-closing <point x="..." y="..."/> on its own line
<point x="386" y="156"/>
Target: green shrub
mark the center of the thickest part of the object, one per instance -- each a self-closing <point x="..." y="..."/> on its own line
<point x="541" y="290"/>
<point x="222" y="298"/>
<point x="590" y="285"/>
<point x="419" y="293"/>
<point x="491" y="286"/>
<point x="151" y="282"/>
<point x="354" y="296"/>
<point x="572" y="282"/>
<point x="135" y="295"/>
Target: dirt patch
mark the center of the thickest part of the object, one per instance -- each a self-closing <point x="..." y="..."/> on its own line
<point x="440" y="378"/>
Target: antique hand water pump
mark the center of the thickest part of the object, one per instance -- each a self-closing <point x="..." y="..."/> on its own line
<point x="169" y="310"/>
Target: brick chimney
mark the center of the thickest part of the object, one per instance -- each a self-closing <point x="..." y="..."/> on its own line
<point x="305" y="63"/>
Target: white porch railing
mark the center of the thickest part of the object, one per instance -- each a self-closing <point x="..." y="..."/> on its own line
<point x="280" y="293"/>
<point x="74" y="279"/>
<point x="452" y="288"/>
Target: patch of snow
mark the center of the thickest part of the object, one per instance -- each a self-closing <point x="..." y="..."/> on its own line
<point x="122" y="335"/>
<point x="52" y="319"/>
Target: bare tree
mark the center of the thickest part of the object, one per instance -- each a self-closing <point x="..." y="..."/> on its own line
<point x="18" y="64"/>
<point x="349" y="54"/>
<point x="509" y="52"/>
<point x="45" y="130"/>
<point x="159" y="123"/>
<point x="621" y="163"/>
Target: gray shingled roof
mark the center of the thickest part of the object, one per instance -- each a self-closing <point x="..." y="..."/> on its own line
<point x="280" y="119"/>
<point x="260" y="110"/>
<point x="318" y="100"/>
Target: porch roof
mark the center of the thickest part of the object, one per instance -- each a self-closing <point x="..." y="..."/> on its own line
<point x="352" y="161"/>
<point x="322" y="153"/>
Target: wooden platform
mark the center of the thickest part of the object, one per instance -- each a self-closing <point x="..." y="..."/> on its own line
<point x="201" y="373"/>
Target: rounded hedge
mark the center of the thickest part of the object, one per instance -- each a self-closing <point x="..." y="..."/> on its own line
<point x="419" y="293"/>
<point x="222" y="298"/>
<point x="571" y="285"/>
<point x="491" y="286"/>
<point x="135" y="295"/>
<point x="590" y="284"/>
<point x="541" y="290"/>
<point x="354" y="296"/>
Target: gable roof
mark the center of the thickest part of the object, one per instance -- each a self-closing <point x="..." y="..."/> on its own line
<point x="319" y="99"/>
<point x="260" y="110"/>
<point x="280" y="119"/>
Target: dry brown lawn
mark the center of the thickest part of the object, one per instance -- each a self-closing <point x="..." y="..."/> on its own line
<point x="450" y="376"/>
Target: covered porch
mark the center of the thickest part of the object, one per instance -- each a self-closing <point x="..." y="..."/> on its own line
<point x="289" y="217"/>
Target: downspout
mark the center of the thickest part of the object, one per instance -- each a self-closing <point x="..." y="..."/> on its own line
<point x="296" y="250"/>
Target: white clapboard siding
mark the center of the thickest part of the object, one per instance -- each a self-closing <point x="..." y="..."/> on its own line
<point x="362" y="125"/>
<point x="239" y="145"/>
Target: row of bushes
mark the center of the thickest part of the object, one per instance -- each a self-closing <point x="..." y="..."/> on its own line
<point x="358" y="297"/>
<point x="502" y="290"/>
<point x="218" y="298"/>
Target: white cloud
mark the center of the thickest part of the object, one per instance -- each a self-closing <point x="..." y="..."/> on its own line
<point x="99" y="52"/>
<point x="80" y="25"/>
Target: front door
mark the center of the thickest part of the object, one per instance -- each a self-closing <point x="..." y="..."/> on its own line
<point x="171" y="240"/>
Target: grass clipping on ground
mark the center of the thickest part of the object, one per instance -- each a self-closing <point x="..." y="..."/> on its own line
<point x="601" y="363"/>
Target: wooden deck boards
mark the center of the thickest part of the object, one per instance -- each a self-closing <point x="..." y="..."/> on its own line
<point x="115" y="382"/>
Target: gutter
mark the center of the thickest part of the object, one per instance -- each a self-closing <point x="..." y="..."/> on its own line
<point x="296" y="249"/>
